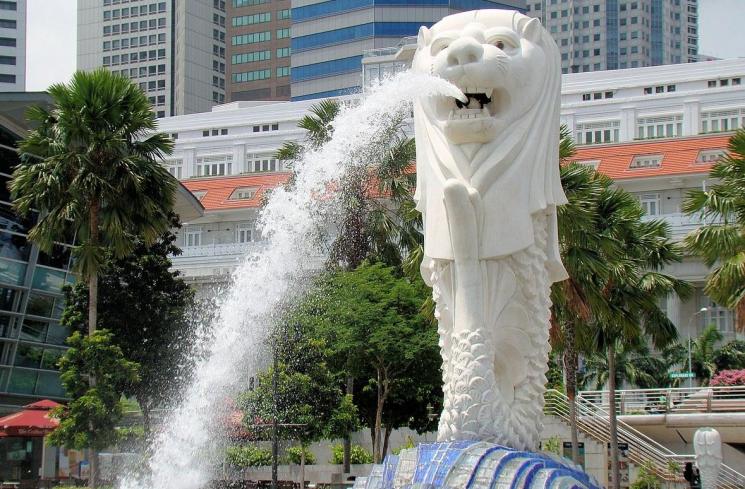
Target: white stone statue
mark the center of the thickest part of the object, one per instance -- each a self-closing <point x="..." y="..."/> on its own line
<point x="488" y="185"/>
<point x="707" y="444"/>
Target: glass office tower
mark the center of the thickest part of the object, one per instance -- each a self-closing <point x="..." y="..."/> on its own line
<point x="31" y="301"/>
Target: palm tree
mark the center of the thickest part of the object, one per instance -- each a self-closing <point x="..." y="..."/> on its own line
<point x="634" y="366"/>
<point x="704" y="352"/>
<point x="92" y="169"/>
<point x="632" y="291"/>
<point x="721" y="242"/>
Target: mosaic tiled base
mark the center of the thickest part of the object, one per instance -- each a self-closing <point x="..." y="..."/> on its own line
<point x="469" y="464"/>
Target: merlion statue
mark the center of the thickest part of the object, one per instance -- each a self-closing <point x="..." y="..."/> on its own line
<point x="708" y="447"/>
<point x="488" y="186"/>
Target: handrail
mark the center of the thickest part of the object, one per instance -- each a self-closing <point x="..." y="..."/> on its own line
<point x="594" y="422"/>
<point x="678" y="400"/>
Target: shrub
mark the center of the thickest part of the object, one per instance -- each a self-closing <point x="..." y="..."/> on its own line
<point x="358" y="455"/>
<point x="553" y="445"/>
<point x="730" y="356"/>
<point x="647" y="479"/>
<point x="293" y="455"/>
<point x="728" y="377"/>
<point x="409" y="444"/>
<point x="247" y="456"/>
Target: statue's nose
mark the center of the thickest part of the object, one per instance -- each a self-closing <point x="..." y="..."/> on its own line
<point x="463" y="51"/>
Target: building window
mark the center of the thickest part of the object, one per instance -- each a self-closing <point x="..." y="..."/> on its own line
<point x="244" y="232"/>
<point x="243" y="193"/>
<point x="285" y="52"/>
<point x="283" y="33"/>
<point x="258" y="163"/>
<point x="283" y="71"/>
<point x="248" y="76"/>
<point x="251" y="57"/>
<point x="650" y="204"/>
<point x="175" y="167"/>
<point x="251" y="19"/>
<point x="722" y="120"/>
<point x="659" y="127"/>
<point x="597" y="132"/>
<point x="251" y="38"/>
<point x="646" y="161"/>
<point x="710" y="155"/>
<point x="209" y="166"/>
<point x="193" y="234"/>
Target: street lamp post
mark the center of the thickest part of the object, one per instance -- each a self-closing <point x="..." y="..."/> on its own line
<point x="690" y="357"/>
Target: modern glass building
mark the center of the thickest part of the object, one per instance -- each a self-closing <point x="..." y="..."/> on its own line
<point x="329" y="37"/>
<point x="31" y="302"/>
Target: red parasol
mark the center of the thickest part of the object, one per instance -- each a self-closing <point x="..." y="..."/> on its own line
<point x="33" y="420"/>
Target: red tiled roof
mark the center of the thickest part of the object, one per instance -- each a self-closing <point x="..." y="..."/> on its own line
<point x="678" y="156"/>
<point x="219" y="189"/>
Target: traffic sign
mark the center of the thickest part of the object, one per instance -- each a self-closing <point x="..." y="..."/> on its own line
<point x="682" y="375"/>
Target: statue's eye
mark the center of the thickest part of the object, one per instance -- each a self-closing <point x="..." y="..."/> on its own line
<point x="499" y="44"/>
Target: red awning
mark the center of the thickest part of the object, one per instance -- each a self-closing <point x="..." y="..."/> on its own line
<point x="33" y="420"/>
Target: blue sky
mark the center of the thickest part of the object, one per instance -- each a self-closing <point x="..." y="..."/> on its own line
<point x="51" y="34"/>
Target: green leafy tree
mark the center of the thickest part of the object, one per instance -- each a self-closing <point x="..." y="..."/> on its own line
<point x="90" y="419"/>
<point x="731" y="356"/>
<point x="704" y="353"/>
<point x="371" y="322"/>
<point x="144" y="304"/>
<point x="634" y="366"/>
<point x="304" y="397"/>
<point x="92" y="167"/>
<point x="721" y="240"/>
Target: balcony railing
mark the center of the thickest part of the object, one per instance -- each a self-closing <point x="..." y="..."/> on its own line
<point x="680" y="224"/>
<point x="221" y="249"/>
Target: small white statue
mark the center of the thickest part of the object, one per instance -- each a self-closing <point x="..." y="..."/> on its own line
<point x="707" y="444"/>
<point x="488" y="185"/>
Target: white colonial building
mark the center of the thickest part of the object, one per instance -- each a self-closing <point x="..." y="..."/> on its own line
<point x="655" y="130"/>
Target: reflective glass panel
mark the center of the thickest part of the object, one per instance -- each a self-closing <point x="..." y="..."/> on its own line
<point x="12" y="272"/>
<point x="48" y="279"/>
<point x="50" y="358"/>
<point x="57" y="334"/>
<point x="28" y="356"/>
<point x="22" y="381"/>
<point x="33" y="330"/>
<point x="40" y="305"/>
<point x="14" y="246"/>
<point x="9" y="299"/>
<point x="49" y="385"/>
<point x="59" y="257"/>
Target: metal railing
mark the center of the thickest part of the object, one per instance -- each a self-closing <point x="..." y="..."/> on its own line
<point x="684" y="400"/>
<point x="221" y="249"/>
<point x="681" y="224"/>
<point x="593" y="421"/>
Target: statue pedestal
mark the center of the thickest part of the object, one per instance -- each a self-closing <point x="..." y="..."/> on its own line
<point x="473" y="464"/>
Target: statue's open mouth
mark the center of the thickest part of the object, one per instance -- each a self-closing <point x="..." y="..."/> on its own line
<point x="479" y="103"/>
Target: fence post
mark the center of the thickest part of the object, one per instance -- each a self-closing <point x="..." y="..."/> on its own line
<point x="709" y="396"/>
<point x="622" y="403"/>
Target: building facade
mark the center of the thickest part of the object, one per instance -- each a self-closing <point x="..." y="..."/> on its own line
<point x="174" y="50"/>
<point x="595" y="35"/>
<point x="258" y="33"/>
<point x="12" y="46"/>
<point x="329" y="37"/>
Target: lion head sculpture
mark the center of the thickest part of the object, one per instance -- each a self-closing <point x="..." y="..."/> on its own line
<point x="501" y="138"/>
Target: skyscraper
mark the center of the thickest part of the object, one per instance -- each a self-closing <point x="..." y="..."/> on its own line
<point x="12" y="46"/>
<point x="258" y="49"/>
<point x="596" y="35"/>
<point x="175" y="50"/>
<point x="329" y="37"/>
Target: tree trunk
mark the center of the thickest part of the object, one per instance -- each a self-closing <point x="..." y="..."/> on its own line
<point x="347" y="461"/>
<point x="145" y="407"/>
<point x="302" y="466"/>
<point x="93" y="277"/>
<point x="570" y="370"/>
<point x="378" y="420"/>
<point x="93" y="468"/>
<point x="615" y="481"/>
<point x="388" y="430"/>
